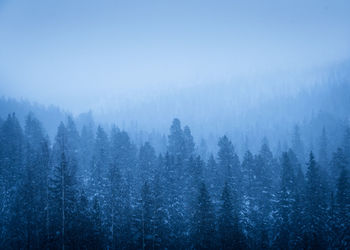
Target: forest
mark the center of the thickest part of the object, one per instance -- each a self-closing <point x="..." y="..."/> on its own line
<point x="95" y="188"/>
<point x="175" y="125"/>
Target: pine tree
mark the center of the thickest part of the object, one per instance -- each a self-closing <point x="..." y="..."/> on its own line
<point x="343" y="188"/>
<point x="191" y="188"/>
<point x="261" y="200"/>
<point x="100" y="163"/>
<point x="298" y="145"/>
<point x="230" y="233"/>
<point x="146" y="162"/>
<point x="97" y="238"/>
<point x="114" y="204"/>
<point x="204" y="228"/>
<point x="188" y="142"/>
<point x="11" y="151"/>
<point x="35" y="183"/>
<point x="343" y="202"/>
<point x="84" y="227"/>
<point x="72" y="143"/>
<point x="147" y="217"/>
<point x="270" y="164"/>
<point x="337" y="164"/>
<point x="315" y="206"/>
<point x="203" y="149"/>
<point x="98" y="181"/>
<point x="195" y="172"/>
<point x="265" y="170"/>
<point x="248" y="169"/>
<point x="124" y="196"/>
<point x="124" y="154"/>
<point x="176" y="141"/>
<point x="211" y="174"/>
<point x="11" y="177"/>
<point x="174" y="202"/>
<point x="286" y="204"/>
<point x="63" y="194"/>
<point x="179" y="149"/>
<point x="298" y="172"/>
<point x="299" y="196"/>
<point x="161" y="226"/>
<point x="228" y="163"/>
<point x="87" y="140"/>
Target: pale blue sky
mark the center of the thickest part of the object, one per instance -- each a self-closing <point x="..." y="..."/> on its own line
<point x="79" y="53"/>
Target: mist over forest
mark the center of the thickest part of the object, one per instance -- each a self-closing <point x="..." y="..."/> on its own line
<point x="248" y="111"/>
<point x="175" y="125"/>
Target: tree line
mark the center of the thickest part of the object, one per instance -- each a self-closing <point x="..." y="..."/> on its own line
<point x="98" y="190"/>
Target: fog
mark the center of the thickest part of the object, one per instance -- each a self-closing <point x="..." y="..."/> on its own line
<point x="175" y="124"/>
<point x="219" y="67"/>
<point x="83" y="55"/>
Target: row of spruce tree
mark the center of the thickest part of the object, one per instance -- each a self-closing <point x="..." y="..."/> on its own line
<point x="97" y="190"/>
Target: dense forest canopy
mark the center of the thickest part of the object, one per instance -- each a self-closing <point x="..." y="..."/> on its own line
<point x="96" y="189"/>
<point x="274" y="175"/>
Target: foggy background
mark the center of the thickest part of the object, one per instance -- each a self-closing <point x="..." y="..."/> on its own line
<point x="243" y="68"/>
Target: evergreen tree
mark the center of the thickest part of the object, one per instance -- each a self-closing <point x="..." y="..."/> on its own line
<point x="315" y="206"/>
<point x="211" y="175"/>
<point x="337" y="164"/>
<point x="98" y="182"/>
<point x="72" y="143"/>
<point x="343" y="188"/>
<point x="298" y="172"/>
<point x="146" y="162"/>
<point x="230" y="233"/>
<point x="147" y="217"/>
<point x="248" y="166"/>
<point x="35" y="183"/>
<point x="195" y="171"/>
<point x="265" y="170"/>
<point x="248" y="170"/>
<point x="63" y="195"/>
<point x="298" y="145"/>
<point x="161" y="226"/>
<point x="114" y="205"/>
<point x="204" y="228"/>
<point x="260" y="201"/>
<point x="11" y="174"/>
<point x="342" y="202"/>
<point x="174" y="203"/>
<point x="176" y="141"/>
<point x="188" y="142"/>
<point x="228" y="163"/>
<point x="270" y="165"/>
<point x="123" y="154"/>
<point x="191" y="188"/>
<point x="84" y="225"/>
<point x="203" y="150"/>
<point x="286" y="200"/>
<point x="97" y="238"/>
<point x="123" y="194"/>
<point x="87" y="140"/>
<point x="298" y="210"/>
<point x="100" y="163"/>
